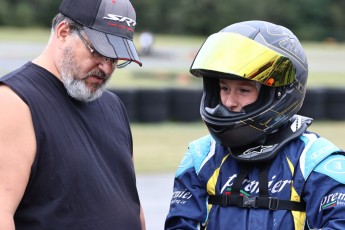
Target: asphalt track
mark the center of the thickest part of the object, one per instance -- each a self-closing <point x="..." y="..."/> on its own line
<point x="155" y="192"/>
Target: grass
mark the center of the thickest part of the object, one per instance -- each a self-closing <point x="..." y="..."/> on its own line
<point x="160" y="147"/>
<point x="326" y="80"/>
<point x="33" y="35"/>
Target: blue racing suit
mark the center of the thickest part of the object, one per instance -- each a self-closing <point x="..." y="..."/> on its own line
<point x="309" y="169"/>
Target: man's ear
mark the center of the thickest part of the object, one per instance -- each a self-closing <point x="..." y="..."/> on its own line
<point x="62" y="30"/>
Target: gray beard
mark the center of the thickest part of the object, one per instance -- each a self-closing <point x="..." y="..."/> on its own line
<point x="75" y="86"/>
<point x="78" y="89"/>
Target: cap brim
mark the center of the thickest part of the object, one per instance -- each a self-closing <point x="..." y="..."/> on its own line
<point x="113" y="46"/>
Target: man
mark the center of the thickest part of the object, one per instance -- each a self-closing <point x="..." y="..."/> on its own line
<point x="65" y="142"/>
<point x="259" y="168"/>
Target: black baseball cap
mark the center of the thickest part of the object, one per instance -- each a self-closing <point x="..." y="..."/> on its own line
<point x="109" y="24"/>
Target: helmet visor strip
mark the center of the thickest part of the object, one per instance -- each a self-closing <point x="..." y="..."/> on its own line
<point x="234" y="54"/>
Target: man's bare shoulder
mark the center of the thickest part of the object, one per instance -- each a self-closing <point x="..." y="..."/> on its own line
<point x="9" y="100"/>
<point x="15" y="116"/>
<point x="17" y="151"/>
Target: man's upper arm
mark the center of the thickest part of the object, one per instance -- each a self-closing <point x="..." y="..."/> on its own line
<point x="17" y="152"/>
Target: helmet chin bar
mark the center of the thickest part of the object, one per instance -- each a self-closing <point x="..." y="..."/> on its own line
<point x="269" y="147"/>
<point x="221" y="111"/>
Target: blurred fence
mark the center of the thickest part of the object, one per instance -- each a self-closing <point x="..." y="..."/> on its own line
<point x="182" y="105"/>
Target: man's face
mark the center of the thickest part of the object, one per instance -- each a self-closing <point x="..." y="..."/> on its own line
<point x="84" y="75"/>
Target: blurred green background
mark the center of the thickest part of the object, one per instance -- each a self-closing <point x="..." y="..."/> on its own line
<point x="311" y="20"/>
<point x="179" y="29"/>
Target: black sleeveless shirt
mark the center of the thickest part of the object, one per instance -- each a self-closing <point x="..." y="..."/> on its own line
<point x="83" y="176"/>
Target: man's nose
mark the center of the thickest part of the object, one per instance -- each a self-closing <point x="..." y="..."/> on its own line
<point x="107" y="67"/>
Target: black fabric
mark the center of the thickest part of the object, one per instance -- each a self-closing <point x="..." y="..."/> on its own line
<point x="83" y="175"/>
<point x="263" y="180"/>
<point x="271" y="203"/>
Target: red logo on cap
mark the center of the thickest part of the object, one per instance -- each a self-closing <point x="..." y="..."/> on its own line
<point x="114" y="1"/>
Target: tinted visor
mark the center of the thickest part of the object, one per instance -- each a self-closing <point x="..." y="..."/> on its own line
<point x="234" y="54"/>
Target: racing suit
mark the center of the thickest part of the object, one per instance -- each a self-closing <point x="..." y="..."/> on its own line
<point x="308" y="169"/>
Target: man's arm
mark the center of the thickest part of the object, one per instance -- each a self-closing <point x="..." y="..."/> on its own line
<point x="142" y="219"/>
<point x="142" y="216"/>
<point x="17" y="152"/>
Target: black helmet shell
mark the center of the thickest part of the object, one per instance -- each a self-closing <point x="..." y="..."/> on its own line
<point x="276" y="103"/>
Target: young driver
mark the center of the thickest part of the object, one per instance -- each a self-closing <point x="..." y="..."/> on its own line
<point x="259" y="168"/>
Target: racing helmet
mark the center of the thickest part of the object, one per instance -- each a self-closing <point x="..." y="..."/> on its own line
<point x="258" y="51"/>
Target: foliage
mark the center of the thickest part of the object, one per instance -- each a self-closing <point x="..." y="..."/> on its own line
<point x="313" y="20"/>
